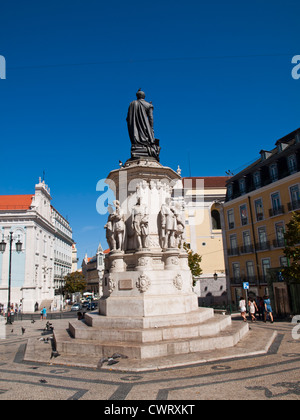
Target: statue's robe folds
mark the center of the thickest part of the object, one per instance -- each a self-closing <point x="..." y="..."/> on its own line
<point x="140" y="129"/>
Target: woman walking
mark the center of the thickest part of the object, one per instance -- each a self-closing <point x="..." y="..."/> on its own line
<point x="242" y="306"/>
<point x="268" y="309"/>
<point x="252" y="309"/>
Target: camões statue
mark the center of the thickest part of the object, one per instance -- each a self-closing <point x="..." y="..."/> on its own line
<point x="140" y="128"/>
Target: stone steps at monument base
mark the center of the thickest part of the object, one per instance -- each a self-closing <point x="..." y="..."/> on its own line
<point x="135" y="322"/>
<point x="66" y="345"/>
<point x="211" y="327"/>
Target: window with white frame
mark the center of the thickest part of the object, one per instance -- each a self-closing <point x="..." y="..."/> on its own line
<point x="292" y="164"/>
<point x="257" y="179"/>
<point x="250" y="270"/>
<point x="266" y="264"/>
<point x="259" y="209"/>
<point x="295" y="197"/>
<point x="236" y="271"/>
<point x="242" y="184"/>
<point x="244" y="214"/>
<point x="230" y="216"/>
<point x="274" y="172"/>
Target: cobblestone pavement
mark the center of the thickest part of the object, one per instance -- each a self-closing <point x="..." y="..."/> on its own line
<point x="273" y="376"/>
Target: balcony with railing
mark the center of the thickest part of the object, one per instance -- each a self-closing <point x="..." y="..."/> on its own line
<point x="233" y="252"/>
<point x="238" y="281"/>
<point x="294" y="205"/>
<point x="279" y="243"/>
<point x="276" y="211"/>
<point x="247" y="249"/>
<point x="263" y="246"/>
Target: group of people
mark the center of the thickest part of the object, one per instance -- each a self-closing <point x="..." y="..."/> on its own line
<point x="261" y="306"/>
<point x="14" y="309"/>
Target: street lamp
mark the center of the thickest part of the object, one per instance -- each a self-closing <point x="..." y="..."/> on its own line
<point x="2" y="249"/>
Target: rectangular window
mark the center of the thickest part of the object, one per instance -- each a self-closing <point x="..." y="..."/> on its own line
<point x="236" y="271"/>
<point x="233" y="245"/>
<point x="283" y="262"/>
<point x="247" y="246"/>
<point x="279" y="229"/>
<point x="230" y="215"/>
<point x="250" y="270"/>
<point x="242" y="185"/>
<point x="244" y="215"/>
<point x="266" y="264"/>
<point x="262" y="238"/>
<point x="259" y="210"/>
<point x="257" y="180"/>
<point x="292" y="164"/>
<point x="295" y="197"/>
<point x="246" y="238"/>
<point x="274" y="172"/>
<point x="277" y="208"/>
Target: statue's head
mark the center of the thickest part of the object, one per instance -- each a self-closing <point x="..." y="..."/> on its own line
<point x="140" y="94"/>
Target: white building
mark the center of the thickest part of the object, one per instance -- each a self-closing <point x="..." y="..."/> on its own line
<point x="93" y="271"/>
<point x="74" y="258"/>
<point x="63" y="251"/>
<point x="46" y="249"/>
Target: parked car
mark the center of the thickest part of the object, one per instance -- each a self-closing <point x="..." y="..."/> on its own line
<point x="76" y="307"/>
<point x="91" y="306"/>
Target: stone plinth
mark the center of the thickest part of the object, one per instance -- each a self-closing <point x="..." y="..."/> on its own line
<point x="148" y="308"/>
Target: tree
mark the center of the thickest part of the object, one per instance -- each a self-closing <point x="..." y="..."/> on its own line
<point x="292" y="249"/>
<point x="194" y="261"/>
<point x="75" y="282"/>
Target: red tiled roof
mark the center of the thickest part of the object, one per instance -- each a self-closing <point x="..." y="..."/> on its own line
<point x="15" y="202"/>
<point x="209" y="181"/>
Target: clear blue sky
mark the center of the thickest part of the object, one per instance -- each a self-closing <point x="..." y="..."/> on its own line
<point x="218" y="74"/>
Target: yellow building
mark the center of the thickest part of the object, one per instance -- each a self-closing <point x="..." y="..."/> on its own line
<point x="204" y="197"/>
<point x="259" y="204"/>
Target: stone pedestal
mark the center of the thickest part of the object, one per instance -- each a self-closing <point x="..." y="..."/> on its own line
<point x="148" y="308"/>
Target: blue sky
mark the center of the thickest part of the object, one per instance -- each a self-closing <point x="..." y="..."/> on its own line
<point x="218" y="74"/>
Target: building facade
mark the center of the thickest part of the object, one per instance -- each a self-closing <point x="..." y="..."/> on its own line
<point x="93" y="270"/>
<point x="259" y="204"/>
<point x="203" y="198"/>
<point x="46" y="245"/>
<point x="63" y="249"/>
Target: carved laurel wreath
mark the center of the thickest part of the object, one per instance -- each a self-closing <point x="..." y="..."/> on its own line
<point x="143" y="283"/>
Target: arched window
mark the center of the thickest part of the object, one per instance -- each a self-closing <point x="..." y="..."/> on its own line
<point x="216" y="221"/>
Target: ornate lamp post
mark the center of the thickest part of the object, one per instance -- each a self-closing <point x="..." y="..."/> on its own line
<point x="2" y="249"/>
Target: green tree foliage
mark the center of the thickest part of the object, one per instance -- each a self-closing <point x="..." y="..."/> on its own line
<point x="75" y="282"/>
<point x="194" y="261"/>
<point x="292" y="249"/>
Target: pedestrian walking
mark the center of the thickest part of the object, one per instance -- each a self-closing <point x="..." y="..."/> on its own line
<point x="252" y="309"/>
<point x="261" y="308"/>
<point x="44" y="313"/>
<point x="242" y="306"/>
<point x="268" y="309"/>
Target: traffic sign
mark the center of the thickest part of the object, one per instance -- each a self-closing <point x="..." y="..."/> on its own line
<point x="246" y="285"/>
